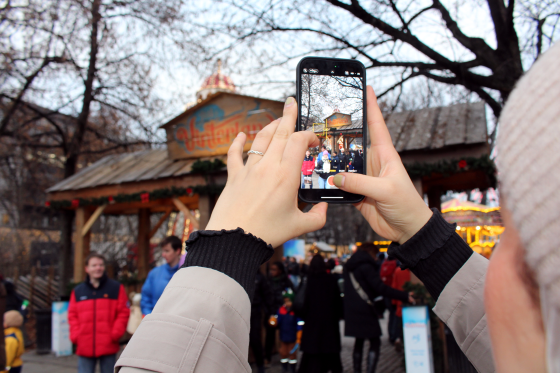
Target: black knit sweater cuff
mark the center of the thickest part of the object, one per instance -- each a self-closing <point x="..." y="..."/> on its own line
<point x="234" y="253"/>
<point x="434" y="254"/>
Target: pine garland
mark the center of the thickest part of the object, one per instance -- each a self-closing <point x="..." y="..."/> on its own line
<point x="454" y="166"/>
<point x="139" y="197"/>
<point x="207" y="166"/>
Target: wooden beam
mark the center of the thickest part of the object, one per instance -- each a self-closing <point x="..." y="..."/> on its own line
<point x="92" y="219"/>
<point x="160" y="222"/>
<point x="181" y="206"/>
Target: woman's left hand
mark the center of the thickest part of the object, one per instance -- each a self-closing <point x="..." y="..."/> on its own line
<point x="262" y="196"/>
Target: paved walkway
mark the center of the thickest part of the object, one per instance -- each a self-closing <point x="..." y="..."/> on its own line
<point x="389" y="362"/>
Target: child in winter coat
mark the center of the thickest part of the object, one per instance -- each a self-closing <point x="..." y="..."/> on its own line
<point x="290" y="333"/>
<point x="13" y="320"/>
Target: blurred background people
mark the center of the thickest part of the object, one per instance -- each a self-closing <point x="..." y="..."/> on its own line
<point x="361" y="275"/>
<point x="159" y="277"/>
<point x="262" y="304"/>
<point x="97" y="315"/>
<point x="386" y="272"/>
<point x="400" y="277"/>
<point x="279" y="282"/>
<point x="13" y="339"/>
<point x="289" y="327"/>
<point x="321" y="313"/>
<point x="294" y="271"/>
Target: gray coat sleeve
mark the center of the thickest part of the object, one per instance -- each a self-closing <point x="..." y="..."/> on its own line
<point x="461" y="306"/>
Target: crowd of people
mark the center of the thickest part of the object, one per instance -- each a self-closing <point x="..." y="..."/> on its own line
<point x="326" y="163"/>
<point x="306" y="316"/>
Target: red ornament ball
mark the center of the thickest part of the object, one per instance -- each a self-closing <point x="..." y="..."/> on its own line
<point x="462" y="163"/>
<point x="189" y="190"/>
<point x="48" y="204"/>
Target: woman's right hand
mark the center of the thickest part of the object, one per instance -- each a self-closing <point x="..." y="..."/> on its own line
<point x="392" y="206"/>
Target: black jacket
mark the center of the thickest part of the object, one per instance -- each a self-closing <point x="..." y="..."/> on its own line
<point x="342" y="162"/>
<point x="277" y="286"/>
<point x="262" y="298"/>
<point x="319" y="169"/>
<point x="360" y="318"/>
<point x="322" y="311"/>
<point x="359" y="163"/>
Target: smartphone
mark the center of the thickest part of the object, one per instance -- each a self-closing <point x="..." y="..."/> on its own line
<point x="331" y="93"/>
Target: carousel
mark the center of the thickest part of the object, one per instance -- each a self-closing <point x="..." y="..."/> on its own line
<point x="479" y="225"/>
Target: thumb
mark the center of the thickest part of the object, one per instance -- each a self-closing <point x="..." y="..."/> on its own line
<point x="315" y="218"/>
<point x="368" y="186"/>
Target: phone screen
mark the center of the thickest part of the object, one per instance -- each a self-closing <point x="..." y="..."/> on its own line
<point x="331" y="99"/>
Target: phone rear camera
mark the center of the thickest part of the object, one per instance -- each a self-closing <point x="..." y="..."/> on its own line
<point x="351" y="73"/>
<point x="304" y="70"/>
<point x="358" y="73"/>
<point x="346" y="72"/>
<point x="332" y="71"/>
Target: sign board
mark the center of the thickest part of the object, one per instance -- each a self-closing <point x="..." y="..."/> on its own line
<point x="61" y="344"/>
<point x="295" y="248"/>
<point x="417" y="340"/>
<point x="339" y="120"/>
<point x="209" y="128"/>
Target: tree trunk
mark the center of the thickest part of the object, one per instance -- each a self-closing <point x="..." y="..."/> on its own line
<point x="65" y="263"/>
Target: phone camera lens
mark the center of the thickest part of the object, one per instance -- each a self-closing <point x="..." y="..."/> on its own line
<point x="332" y="71"/>
<point x="304" y="70"/>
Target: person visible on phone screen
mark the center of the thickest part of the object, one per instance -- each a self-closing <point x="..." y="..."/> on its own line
<point x="325" y="151"/>
<point x="323" y="169"/>
<point x="307" y="170"/>
<point x="335" y="163"/>
<point x="343" y="160"/>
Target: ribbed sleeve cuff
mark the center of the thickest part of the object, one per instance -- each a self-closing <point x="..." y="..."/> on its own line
<point x="434" y="254"/>
<point x="234" y="253"/>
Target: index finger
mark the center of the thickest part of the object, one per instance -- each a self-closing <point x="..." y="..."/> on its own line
<point x="378" y="132"/>
<point x="283" y="131"/>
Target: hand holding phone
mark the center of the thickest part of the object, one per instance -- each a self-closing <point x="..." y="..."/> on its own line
<point x="260" y="195"/>
<point x="392" y="206"/>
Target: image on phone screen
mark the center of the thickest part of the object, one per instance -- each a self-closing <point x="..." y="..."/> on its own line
<point x="332" y="107"/>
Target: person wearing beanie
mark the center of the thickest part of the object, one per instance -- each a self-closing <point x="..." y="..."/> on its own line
<point x="504" y="313"/>
<point x="13" y="339"/>
<point x="289" y="326"/>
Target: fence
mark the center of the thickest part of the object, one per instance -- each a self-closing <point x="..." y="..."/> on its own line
<point x="40" y="291"/>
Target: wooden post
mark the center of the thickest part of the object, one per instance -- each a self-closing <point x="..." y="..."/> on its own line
<point x="81" y="244"/>
<point x="143" y="242"/>
<point x="181" y="207"/>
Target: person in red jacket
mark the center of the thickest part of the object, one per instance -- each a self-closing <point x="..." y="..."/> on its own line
<point x="307" y="169"/>
<point x="400" y="277"/>
<point x="386" y="272"/>
<point x="97" y="315"/>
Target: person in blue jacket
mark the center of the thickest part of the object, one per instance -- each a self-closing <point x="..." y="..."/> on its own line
<point x="159" y="277"/>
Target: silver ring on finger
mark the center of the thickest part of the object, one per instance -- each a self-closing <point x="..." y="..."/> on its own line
<point x="255" y="152"/>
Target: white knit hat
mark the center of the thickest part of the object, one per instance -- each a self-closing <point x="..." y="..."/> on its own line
<point x="528" y="159"/>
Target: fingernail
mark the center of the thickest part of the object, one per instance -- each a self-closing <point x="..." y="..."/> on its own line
<point x="289" y="102"/>
<point x="239" y="134"/>
<point x="339" y="180"/>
